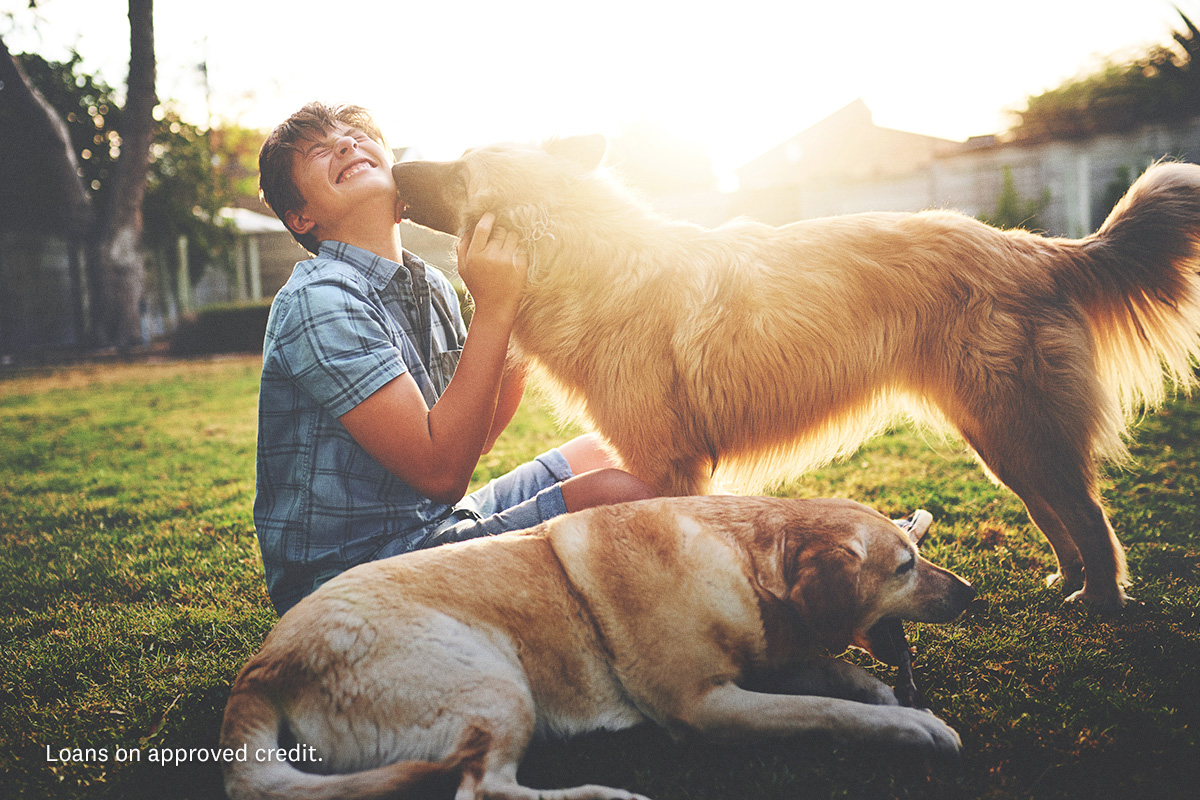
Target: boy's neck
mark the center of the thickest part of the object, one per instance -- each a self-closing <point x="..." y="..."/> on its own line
<point x="385" y="243"/>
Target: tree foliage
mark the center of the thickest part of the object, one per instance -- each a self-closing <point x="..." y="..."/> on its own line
<point x="186" y="189"/>
<point x="193" y="172"/>
<point x="88" y="107"/>
<point x="49" y="152"/>
<point x="40" y="176"/>
<point x="1163" y="85"/>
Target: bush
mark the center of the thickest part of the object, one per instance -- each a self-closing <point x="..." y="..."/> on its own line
<point x="226" y="328"/>
<point x="1014" y="211"/>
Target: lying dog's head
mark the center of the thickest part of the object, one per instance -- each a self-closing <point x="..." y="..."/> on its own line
<point x="848" y="571"/>
<point x="515" y="182"/>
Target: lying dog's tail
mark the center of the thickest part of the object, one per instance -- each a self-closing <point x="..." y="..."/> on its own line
<point x="259" y="769"/>
<point x="1139" y="279"/>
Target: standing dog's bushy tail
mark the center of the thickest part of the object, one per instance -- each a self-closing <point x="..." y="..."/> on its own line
<point x="1140" y="276"/>
<point x="252" y="727"/>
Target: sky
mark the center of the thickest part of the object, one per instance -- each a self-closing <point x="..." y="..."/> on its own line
<point x="736" y="78"/>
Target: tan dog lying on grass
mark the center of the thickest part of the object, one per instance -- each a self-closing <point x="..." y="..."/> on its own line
<point x="693" y="613"/>
<point x="754" y="353"/>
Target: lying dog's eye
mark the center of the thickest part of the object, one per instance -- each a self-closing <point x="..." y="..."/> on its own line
<point x="906" y="566"/>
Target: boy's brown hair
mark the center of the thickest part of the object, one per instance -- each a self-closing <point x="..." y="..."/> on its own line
<point x="275" y="159"/>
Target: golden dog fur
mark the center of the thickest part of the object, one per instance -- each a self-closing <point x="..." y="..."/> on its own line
<point x="751" y="353"/>
<point x="705" y="614"/>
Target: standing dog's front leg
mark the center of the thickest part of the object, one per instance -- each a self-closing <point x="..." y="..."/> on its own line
<point x="729" y="711"/>
<point x="670" y="473"/>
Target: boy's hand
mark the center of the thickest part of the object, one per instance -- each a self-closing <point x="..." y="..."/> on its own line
<point x="493" y="265"/>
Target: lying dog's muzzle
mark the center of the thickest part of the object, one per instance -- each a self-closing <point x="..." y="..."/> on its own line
<point x="888" y="643"/>
<point x="950" y="596"/>
<point x="942" y="595"/>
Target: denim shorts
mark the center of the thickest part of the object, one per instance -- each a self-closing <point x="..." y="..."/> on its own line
<point x="525" y="497"/>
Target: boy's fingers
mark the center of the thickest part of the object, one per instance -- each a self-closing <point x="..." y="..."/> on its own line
<point x="483" y="231"/>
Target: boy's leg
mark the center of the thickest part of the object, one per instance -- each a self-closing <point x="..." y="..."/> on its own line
<point x="598" y="478"/>
<point x="570" y="465"/>
<point x="587" y="453"/>
<point x="603" y="487"/>
<point x="544" y="488"/>
<point x="519" y="485"/>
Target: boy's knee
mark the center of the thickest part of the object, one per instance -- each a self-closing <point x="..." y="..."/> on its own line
<point x="625" y="486"/>
<point x="604" y="487"/>
<point x="587" y="453"/>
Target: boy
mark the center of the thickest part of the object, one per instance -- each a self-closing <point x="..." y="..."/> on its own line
<point x="375" y="405"/>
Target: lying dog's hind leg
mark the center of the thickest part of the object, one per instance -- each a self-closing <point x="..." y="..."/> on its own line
<point x="496" y="779"/>
<point x="499" y="782"/>
<point x="516" y="792"/>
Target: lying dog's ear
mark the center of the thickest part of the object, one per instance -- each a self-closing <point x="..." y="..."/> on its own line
<point x="826" y="593"/>
<point x="587" y="151"/>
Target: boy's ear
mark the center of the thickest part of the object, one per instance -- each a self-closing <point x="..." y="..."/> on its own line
<point x="297" y="222"/>
<point x="587" y="151"/>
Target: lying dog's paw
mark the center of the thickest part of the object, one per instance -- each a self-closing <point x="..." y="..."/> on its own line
<point x="921" y="730"/>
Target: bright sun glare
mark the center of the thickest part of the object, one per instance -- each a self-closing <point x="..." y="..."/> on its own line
<point x="734" y="80"/>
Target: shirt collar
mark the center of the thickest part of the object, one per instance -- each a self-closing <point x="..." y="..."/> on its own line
<point x="378" y="270"/>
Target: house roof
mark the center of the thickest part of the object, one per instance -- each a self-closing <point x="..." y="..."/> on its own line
<point x="845" y="145"/>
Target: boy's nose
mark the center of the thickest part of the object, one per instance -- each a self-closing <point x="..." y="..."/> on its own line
<point x="346" y="144"/>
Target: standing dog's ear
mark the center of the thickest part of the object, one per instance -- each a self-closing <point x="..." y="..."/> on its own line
<point x="587" y="151"/>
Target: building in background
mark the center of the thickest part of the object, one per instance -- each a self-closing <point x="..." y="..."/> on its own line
<point x="847" y="164"/>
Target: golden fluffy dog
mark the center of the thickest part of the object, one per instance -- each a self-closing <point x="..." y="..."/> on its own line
<point x="442" y="664"/>
<point x="750" y="352"/>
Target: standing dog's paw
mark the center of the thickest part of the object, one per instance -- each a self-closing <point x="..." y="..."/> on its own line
<point x="1069" y="581"/>
<point x="1104" y="602"/>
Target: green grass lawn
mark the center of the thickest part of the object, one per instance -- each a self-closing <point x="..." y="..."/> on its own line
<point x="131" y="592"/>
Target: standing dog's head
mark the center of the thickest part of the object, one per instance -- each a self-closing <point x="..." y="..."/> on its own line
<point x="848" y="572"/>
<point x="515" y="182"/>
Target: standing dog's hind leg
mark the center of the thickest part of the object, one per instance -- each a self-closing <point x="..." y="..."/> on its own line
<point x="1058" y="489"/>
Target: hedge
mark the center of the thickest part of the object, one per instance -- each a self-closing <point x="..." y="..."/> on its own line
<point x="225" y="328"/>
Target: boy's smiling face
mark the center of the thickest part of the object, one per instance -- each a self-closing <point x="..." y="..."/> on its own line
<point x="336" y="175"/>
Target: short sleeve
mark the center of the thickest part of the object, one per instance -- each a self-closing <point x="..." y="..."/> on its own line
<point x="336" y="344"/>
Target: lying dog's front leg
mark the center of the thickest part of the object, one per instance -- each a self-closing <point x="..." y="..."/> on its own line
<point x="825" y="677"/>
<point x="730" y="711"/>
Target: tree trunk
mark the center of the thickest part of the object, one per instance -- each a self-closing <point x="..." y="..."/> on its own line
<point x="119" y="263"/>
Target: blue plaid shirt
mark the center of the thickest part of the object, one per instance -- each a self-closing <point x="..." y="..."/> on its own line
<point x="346" y="323"/>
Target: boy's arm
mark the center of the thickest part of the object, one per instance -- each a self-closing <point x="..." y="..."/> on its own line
<point x="435" y="450"/>
<point x="512" y="389"/>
